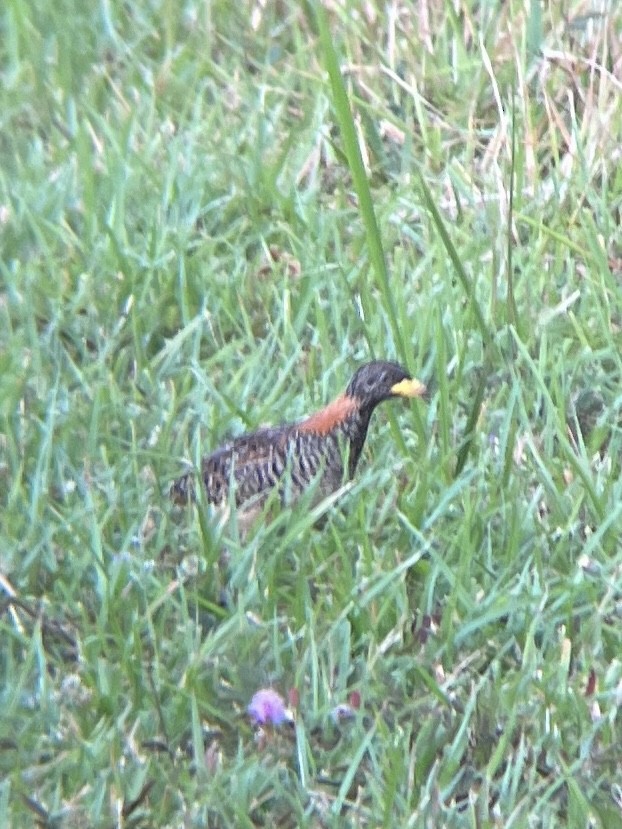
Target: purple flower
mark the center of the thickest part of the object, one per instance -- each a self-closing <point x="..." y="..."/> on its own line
<point x="267" y="708"/>
<point x="342" y="712"/>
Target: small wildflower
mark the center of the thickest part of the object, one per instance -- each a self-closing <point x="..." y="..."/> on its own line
<point x="293" y="698"/>
<point x="342" y="712"/>
<point x="346" y="710"/>
<point x="267" y="707"/>
<point x="355" y="699"/>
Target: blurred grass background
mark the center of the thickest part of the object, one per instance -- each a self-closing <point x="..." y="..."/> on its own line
<point x="200" y="233"/>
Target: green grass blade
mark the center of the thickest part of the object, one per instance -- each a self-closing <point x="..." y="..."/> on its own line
<point x="343" y="113"/>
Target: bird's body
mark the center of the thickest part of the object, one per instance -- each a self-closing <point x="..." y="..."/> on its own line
<point x="291" y="457"/>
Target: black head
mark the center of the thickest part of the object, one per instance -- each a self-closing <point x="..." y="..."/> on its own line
<point x="381" y="380"/>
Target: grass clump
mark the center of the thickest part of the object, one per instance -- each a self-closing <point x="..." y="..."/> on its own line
<point x="208" y="216"/>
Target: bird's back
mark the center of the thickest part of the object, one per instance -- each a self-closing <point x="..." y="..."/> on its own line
<point x="286" y="458"/>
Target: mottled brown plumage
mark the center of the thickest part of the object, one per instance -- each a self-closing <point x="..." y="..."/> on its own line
<point x="293" y="456"/>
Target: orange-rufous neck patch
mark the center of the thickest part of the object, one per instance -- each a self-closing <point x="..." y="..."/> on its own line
<point x="324" y="421"/>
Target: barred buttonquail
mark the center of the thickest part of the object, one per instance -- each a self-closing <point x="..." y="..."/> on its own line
<point x="292" y="456"/>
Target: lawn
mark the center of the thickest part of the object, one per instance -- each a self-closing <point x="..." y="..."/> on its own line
<point x="210" y="215"/>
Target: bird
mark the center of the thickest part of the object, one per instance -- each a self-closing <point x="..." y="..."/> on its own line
<point x="325" y="447"/>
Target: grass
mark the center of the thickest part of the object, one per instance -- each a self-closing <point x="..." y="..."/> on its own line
<point x="209" y="214"/>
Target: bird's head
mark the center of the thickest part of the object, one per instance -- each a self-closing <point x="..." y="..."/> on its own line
<point x="380" y="380"/>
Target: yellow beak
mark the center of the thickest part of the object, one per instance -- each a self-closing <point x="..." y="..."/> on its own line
<point x="408" y="388"/>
